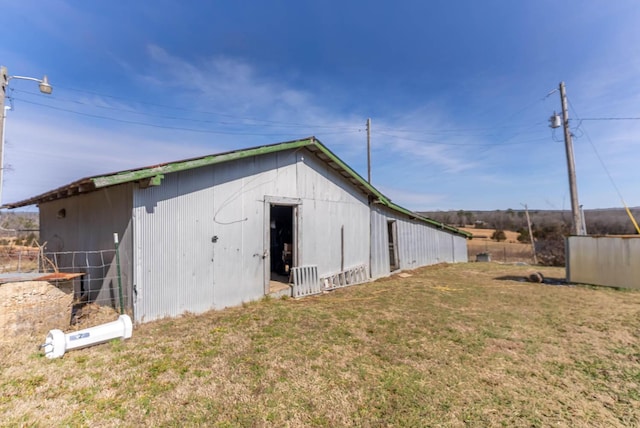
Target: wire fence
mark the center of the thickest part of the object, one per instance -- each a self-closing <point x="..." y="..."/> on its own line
<point x="42" y="290"/>
<point x="18" y="259"/>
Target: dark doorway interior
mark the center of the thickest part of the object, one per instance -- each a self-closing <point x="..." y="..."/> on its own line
<point x="281" y="238"/>
<point x="393" y="250"/>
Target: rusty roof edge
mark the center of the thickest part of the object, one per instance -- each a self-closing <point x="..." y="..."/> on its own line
<point x="111" y="179"/>
<point x="142" y="173"/>
<point x="59" y="193"/>
<point x="105" y="180"/>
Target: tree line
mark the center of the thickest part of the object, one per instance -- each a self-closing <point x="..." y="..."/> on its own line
<point x="550" y="227"/>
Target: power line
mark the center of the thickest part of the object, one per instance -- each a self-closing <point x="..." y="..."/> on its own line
<point x="275" y="123"/>
<point x="173" y="107"/>
<point x="338" y="130"/>
<point x="500" y="144"/>
<point x="187" y="119"/>
<point x="178" y="128"/>
<point x="610" y="118"/>
<point x="606" y="170"/>
<point x="264" y="122"/>
<point x="473" y="129"/>
<point x="443" y="131"/>
<point x="457" y="144"/>
<point x="461" y="131"/>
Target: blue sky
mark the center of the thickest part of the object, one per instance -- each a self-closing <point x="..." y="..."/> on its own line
<point x="458" y="92"/>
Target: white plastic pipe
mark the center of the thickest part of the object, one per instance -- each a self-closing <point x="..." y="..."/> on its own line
<point x="57" y="343"/>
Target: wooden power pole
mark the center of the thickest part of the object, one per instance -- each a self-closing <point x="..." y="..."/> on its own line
<point x="369" y="150"/>
<point x="533" y="244"/>
<point x="4" y="82"/>
<point x="573" y="186"/>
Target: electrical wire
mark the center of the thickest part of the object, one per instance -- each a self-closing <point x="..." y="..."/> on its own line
<point x="611" y="118"/>
<point x="489" y="145"/>
<point x="444" y="131"/>
<point x="186" y="119"/>
<point x="633" y="220"/>
<point x="192" y="111"/>
<point x="263" y="122"/>
<point x="340" y="130"/>
<point x="584" y="132"/>
<point x="469" y="131"/>
<point x="178" y="128"/>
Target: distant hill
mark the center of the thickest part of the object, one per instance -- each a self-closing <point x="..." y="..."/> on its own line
<point x="607" y="221"/>
<point x="611" y="221"/>
<point x="19" y="221"/>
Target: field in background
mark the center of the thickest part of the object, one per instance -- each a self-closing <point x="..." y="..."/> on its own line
<point x="19" y="258"/>
<point x="450" y="345"/>
<point x="507" y="251"/>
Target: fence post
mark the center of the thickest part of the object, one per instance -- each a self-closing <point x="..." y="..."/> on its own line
<point x="115" y="240"/>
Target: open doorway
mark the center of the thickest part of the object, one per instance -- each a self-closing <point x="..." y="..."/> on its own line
<point x="282" y="248"/>
<point x="393" y="249"/>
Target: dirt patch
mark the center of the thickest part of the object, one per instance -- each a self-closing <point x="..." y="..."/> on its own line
<point x="33" y="308"/>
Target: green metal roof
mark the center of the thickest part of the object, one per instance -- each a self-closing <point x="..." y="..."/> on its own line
<point x="152" y="175"/>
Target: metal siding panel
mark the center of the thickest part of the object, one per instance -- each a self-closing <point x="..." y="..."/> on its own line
<point x="228" y="216"/>
<point x="175" y="249"/>
<point x="191" y="207"/>
<point x="460" y="249"/>
<point x="419" y="244"/>
<point x="379" y="244"/>
<point x="446" y="247"/>
<point x="239" y="221"/>
<point x="609" y="261"/>
<point x="329" y="204"/>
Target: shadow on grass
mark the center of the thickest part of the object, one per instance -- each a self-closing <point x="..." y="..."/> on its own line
<point x="545" y="280"/>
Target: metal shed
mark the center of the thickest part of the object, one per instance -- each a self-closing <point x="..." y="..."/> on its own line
<point x="217" y="231"/>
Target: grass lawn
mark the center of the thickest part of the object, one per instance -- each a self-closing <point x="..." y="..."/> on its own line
<point x="452" y="345"/>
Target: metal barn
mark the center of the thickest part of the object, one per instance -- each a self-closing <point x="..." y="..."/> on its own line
<point x="220" y="230"/>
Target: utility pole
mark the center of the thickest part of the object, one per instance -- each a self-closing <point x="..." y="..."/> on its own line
<point x="45" y="88"/>
<point x="369" y="150"/>
<point x="573" y="186"/>
<point x="533" y="244"/>
<point x="4" y="81"/>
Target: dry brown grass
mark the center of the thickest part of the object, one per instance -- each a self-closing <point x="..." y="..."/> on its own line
<point x="457" y="345"/>
<point x="18" y="258"/>
<point x="507" y="251"/>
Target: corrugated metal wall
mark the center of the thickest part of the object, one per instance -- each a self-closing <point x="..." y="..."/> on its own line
<point x="196" y="236"/>
<point x="460" y="254"/>
<point x="180" y="267"/>
<point x="88" y="224"/>
<point x="604" y="260"/>
<point x="335" y="219"/>
<point x="418" y="244"/>
<point x="196" y="242"/>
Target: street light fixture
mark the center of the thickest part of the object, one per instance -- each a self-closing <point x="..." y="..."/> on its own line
<point x="45" y="88"/>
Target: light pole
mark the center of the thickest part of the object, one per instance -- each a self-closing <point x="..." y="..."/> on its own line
<point x="45" y="88"/>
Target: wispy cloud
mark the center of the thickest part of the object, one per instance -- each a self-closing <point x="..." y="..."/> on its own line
<point x="418" y="200"/>
<point x="246" y="106"/>
<point x="235" y="85"/>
